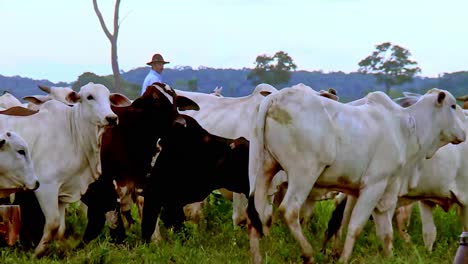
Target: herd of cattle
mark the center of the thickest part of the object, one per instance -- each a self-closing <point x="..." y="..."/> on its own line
<point x="295" y="144"/>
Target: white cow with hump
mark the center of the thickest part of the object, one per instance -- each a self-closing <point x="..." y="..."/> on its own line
<point x="233" y="117"/>
<point x="326" y="144"/>
<point x="8" y="100"/>
<point x="16" y="167"/>
<point x="441" y="180"/>
<point x="65" y="148"/>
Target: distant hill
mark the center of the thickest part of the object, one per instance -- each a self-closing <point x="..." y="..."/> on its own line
<point x="21" y="86"/>
<point x="350" y="86"/>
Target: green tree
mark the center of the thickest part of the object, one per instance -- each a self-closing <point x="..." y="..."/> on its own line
<point x="273" y="70"/>
<point x="192" y="85"/>
<point x="87" y="77"/>
<point x="390" y="64"/>
<point x="131" y="90"/>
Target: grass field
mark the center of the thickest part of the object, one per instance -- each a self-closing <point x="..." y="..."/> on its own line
<point x="216" y="241"/>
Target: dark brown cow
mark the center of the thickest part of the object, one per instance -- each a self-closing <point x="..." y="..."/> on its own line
<point x="192" y="163"/>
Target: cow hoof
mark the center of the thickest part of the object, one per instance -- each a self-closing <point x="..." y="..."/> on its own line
<point x="241" y="223"/>
<point x="307" y="259"/>
<point x="81" y="245"/>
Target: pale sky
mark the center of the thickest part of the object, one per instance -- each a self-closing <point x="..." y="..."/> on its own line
<point x="60" y="39"/>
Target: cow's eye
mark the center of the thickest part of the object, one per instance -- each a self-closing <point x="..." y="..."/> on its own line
<point x="90" y="97"/>
<point x="21" y="152"/>
<point x="453" y="106"/>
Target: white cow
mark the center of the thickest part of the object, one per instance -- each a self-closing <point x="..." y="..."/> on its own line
<point x="8" y="100"/>
<point x="232" y="117"/>
<point x="326" y="144"/>
<point x="440" y="180"/>
<point x="53" y="93"/>
<point x="65" y="149"/>
<point x="16" y="167"/>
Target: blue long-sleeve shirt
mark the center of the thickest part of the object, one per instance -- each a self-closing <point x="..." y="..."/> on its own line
<point x="151" y="78"/>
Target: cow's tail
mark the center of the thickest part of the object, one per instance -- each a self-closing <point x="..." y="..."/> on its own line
<point x="256" y="158"/>
<point x="253" y="215"/>
<point x="335" y="222"/>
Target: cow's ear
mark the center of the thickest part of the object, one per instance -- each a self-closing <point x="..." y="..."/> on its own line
<point x="117" y="99"/>
<point x="44" y="88"/>
<point x="183" y="103"/>
<point x="73" y="97"/>
<point x="265" y="93"/>
<point x="37" y="99"/>
<point x="239" y="142"/>
<point x="2" y="143"/>
<point x="463" y="98"/>
<point x="329" y="95"/>
<point x="180" y="121"/>
<point x="440" y="98"/>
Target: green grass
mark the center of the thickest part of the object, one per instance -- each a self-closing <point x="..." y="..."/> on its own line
<point x="215" y="240"/>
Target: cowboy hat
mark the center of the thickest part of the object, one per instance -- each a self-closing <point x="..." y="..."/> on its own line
<point x="157" y="58"/>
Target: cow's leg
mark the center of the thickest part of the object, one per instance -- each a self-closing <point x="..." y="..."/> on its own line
<point x="151" y="211"/>
<point x="156" y="237"/>
<point x="383" y="224"/>
<point x="96" y="221"/>
<point x="300" y="183"/>
<point x="260" y="176"/>
<point x="62" y="212"/>
<point x="428" y="226"/>
<point x="239" y="205"/>
<point x="307" y="210"/>
<point x="47" y="196"/>
<point x="32" y="218"/>
<point x="194" y="211"/>
<point x="254" y="243"/>
<point x="338" y="238"/>
<point x="261" y="198"/>
<point x="118" y="232"/>
<point x="100" y="198"/>
<point x="365" y="204"/>
<point x="403" y="217"/>
<point x="128" y="217"/>
<point x="173" y="216"/>
<point x="126" y="203"/>
<point x="140" y="201"/>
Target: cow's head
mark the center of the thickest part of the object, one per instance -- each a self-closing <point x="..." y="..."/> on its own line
<point x="53" y="93"/>
<point x="16" y="167"/>
<point x="95" y="101"/>
<point x="446" y="116"/>
<point x="160" y="104"/>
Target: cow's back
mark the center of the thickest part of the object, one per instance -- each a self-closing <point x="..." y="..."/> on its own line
<point x="229" y="117"/>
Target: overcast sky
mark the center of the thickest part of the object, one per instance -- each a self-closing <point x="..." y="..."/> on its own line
<point x="59" y="40"/>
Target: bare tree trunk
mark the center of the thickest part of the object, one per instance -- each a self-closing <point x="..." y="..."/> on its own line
<point x="387" y="88"/>
<point x="113" y="40"/>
